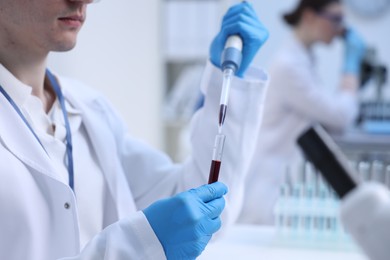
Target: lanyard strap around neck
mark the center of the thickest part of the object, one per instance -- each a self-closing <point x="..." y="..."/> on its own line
<point x="11" y="101"/>
<point x="69" y="148"/>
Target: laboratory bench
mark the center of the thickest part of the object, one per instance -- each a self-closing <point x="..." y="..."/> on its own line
<point x="251" y="242"/>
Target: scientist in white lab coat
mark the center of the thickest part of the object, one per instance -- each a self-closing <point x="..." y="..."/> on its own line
<point x="296" y="98"/>
<point x="74" y="184"/>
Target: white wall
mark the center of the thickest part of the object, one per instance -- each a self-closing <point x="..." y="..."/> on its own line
<point x="118" y="53"/>
<point x="375" y="31"/>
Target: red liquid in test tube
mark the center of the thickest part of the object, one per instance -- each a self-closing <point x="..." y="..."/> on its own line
<point x="217" y="158"/>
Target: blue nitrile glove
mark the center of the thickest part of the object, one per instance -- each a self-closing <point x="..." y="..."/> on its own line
<point x="185" y="223"/>
<point x="240" y="19"/>
<point x="354" y="52"/>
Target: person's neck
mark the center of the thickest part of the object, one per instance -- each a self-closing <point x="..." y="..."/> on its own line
<point x="31" y="71"/>
<point x="303" y="35"/>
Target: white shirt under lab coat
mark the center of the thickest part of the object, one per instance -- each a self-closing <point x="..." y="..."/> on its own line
<point x="39" y="211"/>
<point x="295" y="99"/>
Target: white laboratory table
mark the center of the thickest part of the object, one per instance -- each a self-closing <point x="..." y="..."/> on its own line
<point x="246" y="242"/>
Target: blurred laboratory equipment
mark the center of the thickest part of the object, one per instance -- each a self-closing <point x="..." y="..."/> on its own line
<point x="364" y="207"/>
<point x="374" y="116"/>
<point x="372" y="69"/>
<point x="369" y="140"/>
<point x="307" y="214"/>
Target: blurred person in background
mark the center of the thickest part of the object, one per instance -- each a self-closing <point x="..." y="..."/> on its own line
<point x="296" y="99"/>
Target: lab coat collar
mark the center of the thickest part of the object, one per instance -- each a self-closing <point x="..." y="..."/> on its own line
<point x="18" y="139"/>
<point x="16" y="89"/>
<point x="15" y="134"/>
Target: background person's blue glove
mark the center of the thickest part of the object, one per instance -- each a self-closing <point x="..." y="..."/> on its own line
<point x="240" y="19"/>
<point x="185" y="223"/>
<point x="354" y="51"/>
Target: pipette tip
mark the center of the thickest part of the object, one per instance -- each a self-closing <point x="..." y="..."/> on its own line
<point x="219" y="129"/>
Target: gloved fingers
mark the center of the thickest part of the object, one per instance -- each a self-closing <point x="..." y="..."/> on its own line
<point x="249" y="15"/>
<point x="240" y="19"/>
<point x="195" y="247"/>
<point x="243" y="22"/>
<point x="208" y="227"/>
<point x="214" y="208"/>
<point x="210" y="192"/>
<point x="241" y="8"/>
<point x="354" y="38"/>
<point x="215" y="224"/>
<point x="252" y="36"/>
<point x="352" y="32"/>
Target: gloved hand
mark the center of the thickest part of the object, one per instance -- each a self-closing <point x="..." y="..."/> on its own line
<point x="354" y="52"/>
<point x="240" y="19"/>
<point x="185" y="223"/>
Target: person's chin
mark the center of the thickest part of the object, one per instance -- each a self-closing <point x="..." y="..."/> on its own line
<point x="65" y="46"/>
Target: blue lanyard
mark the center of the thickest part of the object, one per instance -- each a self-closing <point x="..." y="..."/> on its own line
<point x="61" y="99"/>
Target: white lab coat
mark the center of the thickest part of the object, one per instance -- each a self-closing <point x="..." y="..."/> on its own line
<point x="38" y="218"/>
<point x="295" y="99"/>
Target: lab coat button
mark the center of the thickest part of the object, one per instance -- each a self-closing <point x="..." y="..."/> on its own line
<point x="66" y="205"/>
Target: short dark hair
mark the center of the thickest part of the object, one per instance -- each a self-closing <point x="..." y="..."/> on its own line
<point x="294" y="17"/>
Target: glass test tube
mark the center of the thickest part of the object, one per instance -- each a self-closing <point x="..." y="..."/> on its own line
<point x="310" y="189"/>
<point x="364" y="171"/>
<point x="217" y="157"/>
<point x="377" y="171"/>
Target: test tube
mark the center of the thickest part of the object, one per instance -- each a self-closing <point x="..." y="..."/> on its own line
<point x="377" y="171"/>
<point x="321" y="208"/>
<point x="295" y="207"/>
<point x="310" y="174"/>
<point x="217" y="157"/>
<point x="310" y="189"/>
<point x="354" y="165"/>
<point x="288" y="205"/>
<point x="281" y="214"/>
<point x="364" y="171"/>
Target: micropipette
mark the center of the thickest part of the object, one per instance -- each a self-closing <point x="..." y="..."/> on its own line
<point x="231" y="60"/>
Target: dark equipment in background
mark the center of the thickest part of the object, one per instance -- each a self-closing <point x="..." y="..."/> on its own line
<point x="372" y="69"/>
<point x="374" y="115"/>
<point x="322" y="151"/>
